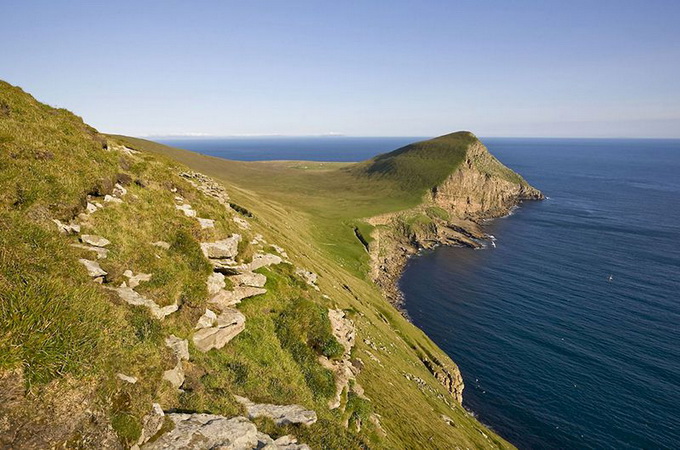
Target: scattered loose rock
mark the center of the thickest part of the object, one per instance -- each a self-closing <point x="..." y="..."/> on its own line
<point x="128" y="295"/>
<point x="186" y="209"/>
<point x="206" y="223"/>
<point x="309" y="277"/>
<point x="207" y="431"/>
<point x="93" y="268"/>
<point x="261" y="260"/>
<point x="67" y="228"/>
<point x="94" y="240"/>
<point x="280" y="414"/>
<point x="111" y="199"/>
<point x="226" y="248"/>
<point x="180" y="347"/>
<point x="126" y="378"/>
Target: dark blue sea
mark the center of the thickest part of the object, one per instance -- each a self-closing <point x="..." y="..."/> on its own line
<point x="553" y="353"/>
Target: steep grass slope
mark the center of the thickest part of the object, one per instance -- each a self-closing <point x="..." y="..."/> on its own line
<point x="70" y="343"/>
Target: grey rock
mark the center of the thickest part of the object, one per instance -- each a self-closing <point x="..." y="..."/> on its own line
<point x="228" y="325"/>
<point x="126" y="378"/>
<point x="180" y="347"/>
<point x="280" y="414"/>
<point x="128" y="295"/>
<point x="206" y="223"/>
<point x="175" y="376"/>
<point x="207" y="320"/>
<point x="224" y="299"/>
<point x="94" y="240"/>
<point x="249" y="279"/>
<point x="67" y="228"/>
<point x="187" y="210"/>
<point x="93" y="268"/>
<point x="111" y="199"/>
<point x="262" y="260"/>
<point x="225" y="248"/>
<point x="242" y="223"/>
<point x="215" y="283"/>
<point x="207" y="431"/>
<point x="310" y="277"/>
<point x="90" y="208"/>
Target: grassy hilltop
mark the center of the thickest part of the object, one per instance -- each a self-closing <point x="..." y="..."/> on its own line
<point x="64" y="339"/>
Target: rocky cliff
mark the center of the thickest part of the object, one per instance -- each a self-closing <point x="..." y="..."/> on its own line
<point x="451" y="213"/>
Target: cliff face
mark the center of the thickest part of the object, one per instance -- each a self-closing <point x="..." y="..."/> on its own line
<point x="482" y="187"/>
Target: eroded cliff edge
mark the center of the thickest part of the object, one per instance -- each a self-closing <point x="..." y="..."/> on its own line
<point x="451" y="213"/>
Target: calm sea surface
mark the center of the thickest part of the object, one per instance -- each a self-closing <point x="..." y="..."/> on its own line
<point x="554" y="355"/>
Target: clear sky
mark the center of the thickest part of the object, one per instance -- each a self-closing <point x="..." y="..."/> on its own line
<point x="593" y="68"/>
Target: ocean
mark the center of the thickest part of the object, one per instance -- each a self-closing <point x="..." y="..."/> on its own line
<point x="568" y="331"/>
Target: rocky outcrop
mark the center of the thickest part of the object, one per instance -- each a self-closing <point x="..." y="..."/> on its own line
<point x="216" y="331"/>
<point x="210" y="431"/>
<point x="130" y="296"/>
<point x="482" y="187"/>
<point x="280" y="414"/>
<point x="224" y="298"/>
<point x="344" y="371"/>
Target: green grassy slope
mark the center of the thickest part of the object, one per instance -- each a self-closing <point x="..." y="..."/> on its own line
<point x="64" y="338"/>
<point x="420" y="166"/>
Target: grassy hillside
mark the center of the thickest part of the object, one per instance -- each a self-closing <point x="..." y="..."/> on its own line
<point x="420" y="166"/>
<point x="65" y="339"/>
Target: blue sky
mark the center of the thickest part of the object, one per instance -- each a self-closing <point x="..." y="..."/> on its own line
<point x="363" y="68"/>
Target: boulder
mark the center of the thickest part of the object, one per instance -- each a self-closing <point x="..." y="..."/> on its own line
<point x="112" y="199"/>
<point x="128" y="295"/>
<point x="226" y="248"/>
<point x="249" y="279"/>
<point x="180" y="347"/>
<point x="175" y="376"/>
<point x="93" y="268"/>
<point x="207" y="320"/>
<point x="94" y="240"/>
<point x="186" y="209"/>
<point x="90" y="208"/>
<point x="206" y="431"/>
<point x="224" y="299"/>
<point x="262" y="260"/>
<point x="215" y="283"/>
<point x="280" y="414"/>
<point x="126" y="378"/>
<point x="225" y="327"/>
<point x="67" y="228"/>
<point x="206" y="223"/>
